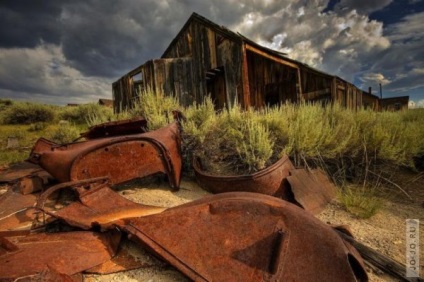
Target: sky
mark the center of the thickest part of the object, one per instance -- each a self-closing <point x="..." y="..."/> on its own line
<point x="70" y="51"/>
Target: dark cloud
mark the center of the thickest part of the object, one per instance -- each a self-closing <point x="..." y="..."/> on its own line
<point x="27" y="23"/>
<point x="65" y="49"/>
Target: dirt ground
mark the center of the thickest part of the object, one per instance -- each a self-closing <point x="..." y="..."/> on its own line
<point x="385" y="231"/>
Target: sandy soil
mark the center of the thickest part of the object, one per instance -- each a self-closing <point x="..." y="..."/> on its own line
<point x="385" y="232"/>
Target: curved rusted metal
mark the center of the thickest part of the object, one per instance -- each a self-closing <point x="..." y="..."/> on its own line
<point x="268" y="181"/>
<point x="242" y="236"/>
<point x="119" y="158"/>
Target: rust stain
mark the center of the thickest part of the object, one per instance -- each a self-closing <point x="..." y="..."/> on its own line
<point x="267" y="181"/>
<point x="120" y="158"/>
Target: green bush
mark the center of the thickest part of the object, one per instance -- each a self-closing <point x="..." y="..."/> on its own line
<point x="89" y="114"/>
<point x="65" y="133"/>
<point x="38" y="126"/>
<point x="360" y="201"/>
<point x="27" y="113"/>
<point x="156" y="108"/>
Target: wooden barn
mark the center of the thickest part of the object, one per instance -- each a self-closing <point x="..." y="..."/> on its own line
<point x="208" y="59"/>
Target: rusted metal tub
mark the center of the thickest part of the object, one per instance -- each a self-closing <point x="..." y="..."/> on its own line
<point x="268" y="181"/>
<point x="119" y="158"/>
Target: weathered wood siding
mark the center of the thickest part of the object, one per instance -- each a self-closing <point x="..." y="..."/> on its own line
<point x="316" y="86"/>
<point x="394" y="104"/>
<point x="369" y="101"/>
<point x="347" y="94"/>
<point x="209" y="50"/>
<point x="270" y="82"/>
<point x="168" y="76"/>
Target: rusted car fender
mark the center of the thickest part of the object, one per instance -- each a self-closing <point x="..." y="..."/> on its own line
<point x="240" y="236"/>
<point x="120" y="158"/>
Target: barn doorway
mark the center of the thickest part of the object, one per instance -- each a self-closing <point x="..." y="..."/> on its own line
<point x="216" y="87"/>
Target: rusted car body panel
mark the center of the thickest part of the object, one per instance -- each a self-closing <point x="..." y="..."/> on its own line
<point x="311" y="190"/>
<point x="16" y="211"/>
<point x="236" y="236"/>
<point x="116" y="128"/>
<point x="120" y="158"/>
<point x="247" y="237"/>
<point x="67" y="253"/>
<point x="98" y="205"/>
<point x="267" y="181"/>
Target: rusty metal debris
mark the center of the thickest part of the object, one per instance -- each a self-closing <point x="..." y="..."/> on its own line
<point x="66" y="253"/>
<point x="116" y="128"/>
<point x="50" y="275"/>
<point x="16" y="211"/>
<point x="311" y="190"/>
<point x="241" y="236"/>
<point x="120" y="158"/>
<point x="122" y="261"/>
<point x="98" y="205"/>
<point x="267" y="181"/>
<point x="26" y="177"/>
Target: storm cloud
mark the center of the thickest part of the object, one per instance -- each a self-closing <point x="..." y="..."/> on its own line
<point x="67" y="51"/>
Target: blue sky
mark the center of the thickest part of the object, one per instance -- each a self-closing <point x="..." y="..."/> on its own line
<point x="70" y="51"/>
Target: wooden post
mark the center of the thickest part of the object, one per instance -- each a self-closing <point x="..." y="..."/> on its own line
<point x="386" y="264"/>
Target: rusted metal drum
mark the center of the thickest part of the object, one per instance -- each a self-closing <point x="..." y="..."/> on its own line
<point x="268" y="181"/>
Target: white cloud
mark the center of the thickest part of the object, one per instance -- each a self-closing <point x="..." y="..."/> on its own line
<point x="44" y="72"/>
<point x="375" y="78"/>
<point x="420" y="104"/>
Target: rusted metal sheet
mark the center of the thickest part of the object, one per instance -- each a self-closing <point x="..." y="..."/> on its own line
<point x="247" y="237"/>
<point x="241" y="236"/>
<point x="98" y="205"/>
<point x="267" y="181"/>
<point x="26" y="177"/>
<point x="311" y="190"/>
<point x="16" y="212"/>
<point x="18" y="171"/>
<point x="66" y="253"/>
<point x="50" y="275"/>
<point x="120" y="158"/>
<point x="116" y="128"/>
<point x="123" y="261"/>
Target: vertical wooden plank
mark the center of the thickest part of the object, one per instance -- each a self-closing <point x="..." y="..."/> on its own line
<point x="212" y="48"/>
<point x="245" y="80"/>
